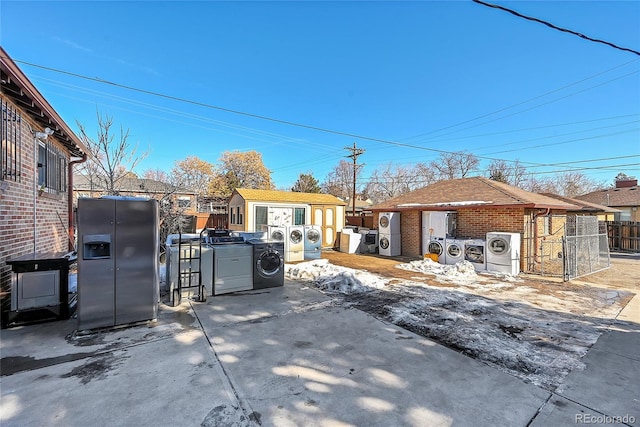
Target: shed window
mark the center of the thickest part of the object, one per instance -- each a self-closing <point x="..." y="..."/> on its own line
<point x="261" y="218"/>
<point x="298" y="216"/>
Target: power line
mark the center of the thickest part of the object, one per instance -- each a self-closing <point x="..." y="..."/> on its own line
<point x="550" y="25"/>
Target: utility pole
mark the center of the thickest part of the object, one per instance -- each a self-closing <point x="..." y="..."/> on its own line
<point x="355" y="152"/>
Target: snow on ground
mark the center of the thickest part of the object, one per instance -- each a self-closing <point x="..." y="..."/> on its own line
<point x="537" y="334"/>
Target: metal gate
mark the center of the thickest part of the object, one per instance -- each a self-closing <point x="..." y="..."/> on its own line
<point x="576" y="248"/>
<point x="586" y="246"/>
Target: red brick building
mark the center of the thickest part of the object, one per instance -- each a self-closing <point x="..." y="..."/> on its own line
<point x="36" y="160"/>
<point x="482" y="205"/>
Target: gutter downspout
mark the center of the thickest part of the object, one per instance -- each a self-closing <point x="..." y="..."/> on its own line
<point x="535" y="231"/>
<point x="70" y="199"/>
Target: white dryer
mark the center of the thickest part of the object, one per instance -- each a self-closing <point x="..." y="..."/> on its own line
<point x="277" y="233"/>
<point x="390" y="244"/>
<point x="312" y="241"/>
<point x="389" y="223"/>
<point x="503" y="252"/>
<point x="437" y="247"/>
<point x="474" y="252"/>
<point x="454" y="251"/>
<point x="294" y="243"/>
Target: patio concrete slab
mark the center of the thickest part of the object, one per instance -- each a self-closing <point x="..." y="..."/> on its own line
<point x="162" y="373"/>
<point x="329" y="365"/>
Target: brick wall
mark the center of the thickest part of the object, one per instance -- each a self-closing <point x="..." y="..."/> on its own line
<point x="475" y="223"/>
<point x="410" y="228"/>
<point x="17" y="212"/>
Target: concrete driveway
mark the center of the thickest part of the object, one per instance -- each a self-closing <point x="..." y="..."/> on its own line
<point x="286" y="356"/>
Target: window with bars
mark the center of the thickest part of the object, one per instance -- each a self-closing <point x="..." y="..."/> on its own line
<point x="10" y="135"/>
<point x="52" y="168"/>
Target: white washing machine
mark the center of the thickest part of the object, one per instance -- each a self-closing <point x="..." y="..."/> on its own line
<point x="389" y="223"/>
<point x="474" y="252"/>
<point x="312" y="241"/>
<point x="277" y="233"/>
<point x="437" y="246"/>
<point x="503" y="252"/>
<point x="454" y="251"/>
<point x="390" y="244"/>
<point x="294" y="243"/>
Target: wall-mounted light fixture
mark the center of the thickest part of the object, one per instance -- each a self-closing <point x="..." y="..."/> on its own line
<point x="45" y="134"/>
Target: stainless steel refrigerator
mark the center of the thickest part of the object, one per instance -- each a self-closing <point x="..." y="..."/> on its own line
<point x="118" y="278"/>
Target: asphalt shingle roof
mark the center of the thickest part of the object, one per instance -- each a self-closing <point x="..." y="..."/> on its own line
<point x="617" y="197"/>
<point x="475" y="191"/>
<point x="584" y="206"/>
<point x="130" y="185"/>
<point x="250" y="194"/>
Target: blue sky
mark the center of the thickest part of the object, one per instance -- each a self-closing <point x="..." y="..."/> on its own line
<point x="402" y="80"/>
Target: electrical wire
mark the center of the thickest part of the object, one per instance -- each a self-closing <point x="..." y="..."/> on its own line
<point x="550" y="25"/>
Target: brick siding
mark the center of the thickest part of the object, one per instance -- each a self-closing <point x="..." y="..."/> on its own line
<point x="17" y="213"/>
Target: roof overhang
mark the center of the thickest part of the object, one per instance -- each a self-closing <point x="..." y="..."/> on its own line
<point x="17" y="87"/>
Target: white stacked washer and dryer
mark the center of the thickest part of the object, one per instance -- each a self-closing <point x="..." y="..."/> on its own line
<point x="503" y="252"/>
<point x="390" y="239"/>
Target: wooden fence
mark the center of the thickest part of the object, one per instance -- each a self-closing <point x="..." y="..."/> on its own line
<point x="360" y="221"/>
<point x="624" y="236"/>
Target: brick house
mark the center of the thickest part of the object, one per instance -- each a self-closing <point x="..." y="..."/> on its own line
<point x="36" y="161"/>
<point x="482" y="205"/>
<point x="250" y="210"/>
<point x="184" y="199"/>
<point x="625" y="197"/>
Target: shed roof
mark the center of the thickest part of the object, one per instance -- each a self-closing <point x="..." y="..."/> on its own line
<point x="250" y="194"/>
<point x="471" y="192"/>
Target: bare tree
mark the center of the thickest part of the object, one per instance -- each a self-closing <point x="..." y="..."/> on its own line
<point x="513" y="173"/>
<point x="339" y="182"/>
<point x="455" y="165"/>
<point x="109" y="160"/>
<point x="390" y="181"/>
<point x="156" y="175"/>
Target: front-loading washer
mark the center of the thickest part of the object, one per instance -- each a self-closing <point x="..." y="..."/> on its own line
<point x="277" y="232"/>
<point x="503" y="252"/>
<point x="294" y="243"/>
<point x="437" y="247"/>
<point x="390" y="244"/>
<point x="268" y="263"/>
<point x="389" y="223"/>
<point x="474" y="252"/>
<point x="312" y="241"/>
<point x="454" y="251"/>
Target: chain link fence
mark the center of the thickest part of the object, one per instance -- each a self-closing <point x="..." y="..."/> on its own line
<point x="578" y="248"/>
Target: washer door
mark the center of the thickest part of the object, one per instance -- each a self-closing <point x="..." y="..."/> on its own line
<point x="313" y="235"/>
<point x="454" y="250"/>
<point x="474" y="253"/>
<point x="384" y="242"/>
<point x="277" y="235"/>
<point x="384" y="221"/>
<point x="498" y="246"/>
<point x="435" y="248"/>
<point x="296" y="236"/>
<point x="269" y="263"/>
